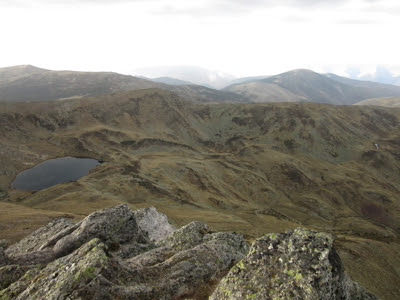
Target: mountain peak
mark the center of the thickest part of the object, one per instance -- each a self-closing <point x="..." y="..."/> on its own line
<point x="304" y="71"/>
<point x="16" y="72"/>
<point x="299" y="73"/>
<point x="23" y="67"/>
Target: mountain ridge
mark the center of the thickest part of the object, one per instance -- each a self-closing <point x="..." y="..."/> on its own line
<point x="29" y="83"/>
<point x="306" y="85"/>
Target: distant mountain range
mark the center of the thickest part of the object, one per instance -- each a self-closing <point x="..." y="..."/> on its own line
<point x="308" y="86"/>
<point x="29" y="83"/>
<point x="195" y="75"/>
<point x="220" y="80"/>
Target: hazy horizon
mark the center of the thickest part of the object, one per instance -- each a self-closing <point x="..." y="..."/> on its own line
<point x="237" y="37"/>
<point x="219" y="79"/>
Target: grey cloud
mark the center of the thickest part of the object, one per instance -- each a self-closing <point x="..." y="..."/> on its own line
<point x="382" y="6"/>
<point x="294" y="3"/>
<point x="242" y="3"/>
<point x="239" y="7"/>
<point x="210" y="6"/>
<point x="295" y="19"/>
<point x="359" y="21"/>
<point x="389" y="10"/>
<point x="216" y="9"/>
<point x="243" y="6"/>
<point x="29" y="3"/>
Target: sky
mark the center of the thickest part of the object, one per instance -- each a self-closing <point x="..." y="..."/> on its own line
<point x="239" y="37"/>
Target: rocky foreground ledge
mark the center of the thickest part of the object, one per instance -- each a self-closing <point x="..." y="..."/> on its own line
<point x="117" y="253"/>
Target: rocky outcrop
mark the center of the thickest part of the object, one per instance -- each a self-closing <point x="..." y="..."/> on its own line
<point x="35" y="240"/>
<point x="117" y="254"/>
<point x="11" y="273"/>
<point x="154" y="223"/>
<point x="186" y="237"/>
<point x="116" y="227"/>
<point x="298" y="264"/>
<point x="169" y="273"/>
<point x="111" y="255"/>
<point x="113" y="226"/>
<point x="3" y="256"/>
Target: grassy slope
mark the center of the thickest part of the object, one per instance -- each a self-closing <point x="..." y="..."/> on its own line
<point x="53" y="85"/>
<point x="251" y="168"/>
<point x="17" y="221"/>
<point x="259" y="91"/>
<point x="10" y="74"/>
<point x="386" y="101"/>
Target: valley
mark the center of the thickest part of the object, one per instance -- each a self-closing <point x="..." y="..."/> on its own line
<point x="251" y="168"/>
<point x="200" y="150"/>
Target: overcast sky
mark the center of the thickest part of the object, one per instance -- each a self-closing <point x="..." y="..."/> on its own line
<point x="240" y="37"/>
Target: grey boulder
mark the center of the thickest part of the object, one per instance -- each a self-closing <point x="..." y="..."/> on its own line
<point x="298" y="264"/>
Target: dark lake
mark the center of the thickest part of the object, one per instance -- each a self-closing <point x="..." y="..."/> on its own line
<point x="52" y="172"/>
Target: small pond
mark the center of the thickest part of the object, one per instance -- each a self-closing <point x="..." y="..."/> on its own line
<point x="52" y="172"/>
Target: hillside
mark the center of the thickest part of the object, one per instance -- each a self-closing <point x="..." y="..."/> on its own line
<point x="203" y="94"/>
<point x="251" y="168"/>
<point x="10" y="74"/>
<point x="308" y="86"/>
<point x="375" y="88"/>
<point x="28" y="83"/>
<point x="385" y="101"/>
<point x="259" y="91"/>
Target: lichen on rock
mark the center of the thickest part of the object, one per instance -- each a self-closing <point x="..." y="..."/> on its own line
<point x="11" y="273"/>
<point x="298" y="264"/>
<point x="66" y="275"/>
